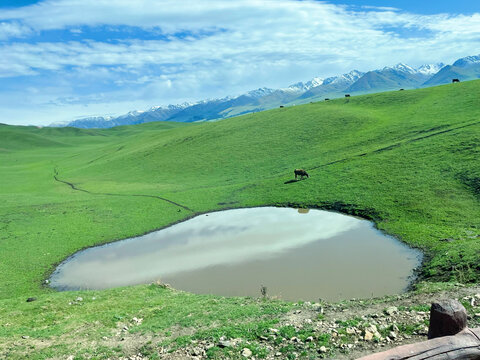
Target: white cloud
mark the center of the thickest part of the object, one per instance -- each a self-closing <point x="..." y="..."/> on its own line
<point x="13" y="29"/>
<point x="381" y="8"/>
<point x="226" y="47"/>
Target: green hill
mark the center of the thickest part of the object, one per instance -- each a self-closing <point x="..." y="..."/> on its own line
<point x="408" y="160"/>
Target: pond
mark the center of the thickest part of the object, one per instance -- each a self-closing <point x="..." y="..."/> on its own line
<point x="295" y="254"/>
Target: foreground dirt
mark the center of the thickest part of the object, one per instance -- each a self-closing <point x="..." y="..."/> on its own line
<point x="345" y="330"/>
<point x="354" y="328"/>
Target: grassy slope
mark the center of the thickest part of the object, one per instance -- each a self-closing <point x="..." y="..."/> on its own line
<point x="406" y="159"/>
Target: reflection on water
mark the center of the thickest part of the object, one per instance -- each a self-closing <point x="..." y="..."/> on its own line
<point x="311" y="255"/>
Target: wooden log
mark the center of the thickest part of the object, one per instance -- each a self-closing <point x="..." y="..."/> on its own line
<point x="463" y="346"/>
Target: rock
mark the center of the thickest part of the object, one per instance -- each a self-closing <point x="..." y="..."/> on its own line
<point x="30" y="299"/>
<point x="224" y="344"/>
<point x="25" y="337"/>
<point x="423" y="331"/>
<point x="47" y="282"/>
<point x="197" y="352"/>
<point x="309" y="339"/>
<point x="308" y="321"/>
<point x="372" y="328"/>
<point x="323" y="349"/>
<point x="79" y="299"/>
<point x="391" y="310"/>
<point x="275" y="331"/>
<point x="368" y="336"/>
<point x="137" y="321"/>
<point x="392" y="335"/>
<point x="295" y="339"/>
<point x="351" y="331"/>
<point x="125" y="328"/>
<point x="447" y="317"/>
<point x="246" y="352"/>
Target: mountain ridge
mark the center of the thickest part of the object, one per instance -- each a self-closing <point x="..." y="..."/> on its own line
<point x="399" y="76"/>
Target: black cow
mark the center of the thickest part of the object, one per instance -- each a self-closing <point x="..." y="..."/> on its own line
<point x="327" y="99"/>
<point x="455" y="80"/>
<point x="401" y="89"/>
<point x="301" y="173"/>
<point x="281" y="106"/>
<point x="347" y="95"/>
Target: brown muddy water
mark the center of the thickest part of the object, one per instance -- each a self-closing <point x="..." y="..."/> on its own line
<point x="295" y="254"/>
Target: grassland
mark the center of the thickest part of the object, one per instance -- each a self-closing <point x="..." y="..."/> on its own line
<point x="407" y="160"/>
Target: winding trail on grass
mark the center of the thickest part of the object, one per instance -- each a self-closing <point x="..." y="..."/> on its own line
<point x="74" y="187"/>
<point x="395" y="145"/>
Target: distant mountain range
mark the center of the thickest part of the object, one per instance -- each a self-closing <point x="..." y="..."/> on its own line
<point x="355" y="82"/>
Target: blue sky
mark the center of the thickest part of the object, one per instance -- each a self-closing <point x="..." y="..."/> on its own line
<point x="415" y="6"/>
<point x="422" y="6"/>
<point x="65" y="59"/>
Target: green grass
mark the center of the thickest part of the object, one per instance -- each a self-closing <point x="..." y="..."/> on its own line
<point x="407" y="160"/>
<point x="102" y="314"/>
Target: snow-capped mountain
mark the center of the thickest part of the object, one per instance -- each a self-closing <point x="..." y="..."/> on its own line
<point x="394" y="77"/>
<point x="467" y="61"/>
<point x="349" y="78"/>
<point x="401" y="67"/>
<point x="388" y="78"/>
<point x="260" y="92"/>
<point x="430" y="69"/>
<point x="302" y="87"/>
<point x="467" y="68"/>
<point x="332" y="86"/>
<point x="426" y="69"/>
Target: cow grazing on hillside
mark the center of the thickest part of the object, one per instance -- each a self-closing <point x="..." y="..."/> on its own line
<point x="455" y="80"/>
<point x="347" y="95"/>
<point x="301" y="173"/>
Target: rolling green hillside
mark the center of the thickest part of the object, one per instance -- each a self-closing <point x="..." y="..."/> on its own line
<point x="408" y="160"/>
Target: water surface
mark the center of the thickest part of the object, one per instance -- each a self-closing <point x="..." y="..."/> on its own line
<point x="295" y="254"/>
